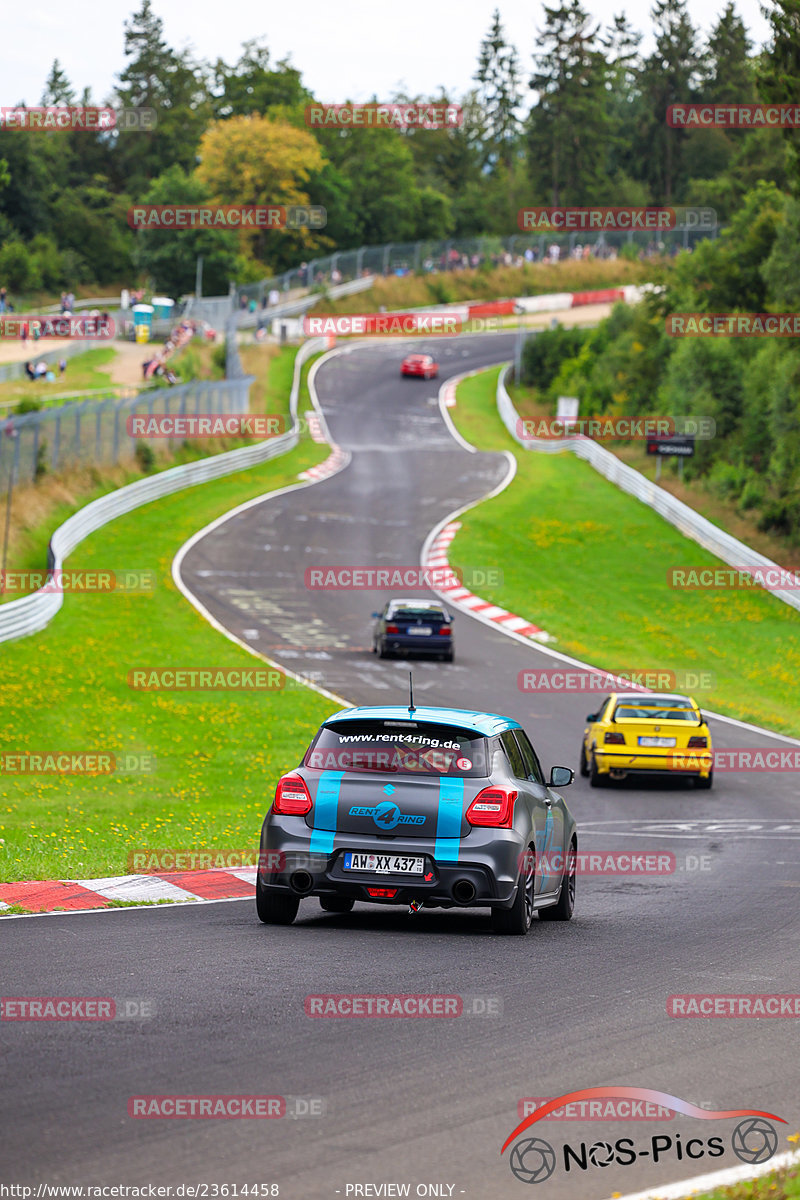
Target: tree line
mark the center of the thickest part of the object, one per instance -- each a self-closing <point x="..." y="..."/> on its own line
<point x="578" y="118"/>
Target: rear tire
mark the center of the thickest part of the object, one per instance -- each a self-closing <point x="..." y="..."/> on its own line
<point x="382" y="651"/>
<point x="583" y="766"/>
<point x="448" y="657"/>
<point x="564" y="908"/>
<point x="705" y="784"/>
<point x="517" y="919"/>
<point x="273" y="907"/>
<point x="596" y="780"/>
<point x="336" y="904"/>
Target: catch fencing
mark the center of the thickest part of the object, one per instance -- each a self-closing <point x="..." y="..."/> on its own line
<point x="32" y="613"/>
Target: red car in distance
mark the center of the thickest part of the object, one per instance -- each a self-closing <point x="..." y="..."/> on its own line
<point x="421" y="365"/>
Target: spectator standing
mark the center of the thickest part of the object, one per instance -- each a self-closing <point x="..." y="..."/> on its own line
<point x="3" y="300"/>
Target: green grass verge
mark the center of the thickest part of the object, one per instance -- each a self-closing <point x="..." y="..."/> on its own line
<point x="588" y="563"/>
<point x="217" y="754"/>
<point x="777" y="1185"/>
<point x="83" y="371"/>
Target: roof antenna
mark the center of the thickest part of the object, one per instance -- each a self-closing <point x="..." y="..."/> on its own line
<point x="411" y="708"/>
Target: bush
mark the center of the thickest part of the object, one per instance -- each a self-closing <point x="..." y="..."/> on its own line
<point x="219" y="358"/>
<point x="145" y="457"/>
<point x="41" y="461"/>
<point x="543" y="355"/>
<point x="753" y="495"/>
<point x="440" y="290"/>
<point x="28" y="404"/>
<point x="17" y="269"/>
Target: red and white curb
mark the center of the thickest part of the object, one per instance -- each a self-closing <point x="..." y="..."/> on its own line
<point x="459" y="596"/>
<point x="333" y="463"/>
<point x="50" y="895"/>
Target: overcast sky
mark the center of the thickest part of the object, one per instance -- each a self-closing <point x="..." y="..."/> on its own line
<point x="344" y="49"/>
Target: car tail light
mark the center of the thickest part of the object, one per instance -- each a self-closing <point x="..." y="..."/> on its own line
<point x="616" y="739"/>
<point x="392" y="629"/>
<point x="697" y="743"/>
<point x="493" y="806"/>
<point x="291" y="796"/>
<point x="382" y="893"/>
<point x="445" y="629"/>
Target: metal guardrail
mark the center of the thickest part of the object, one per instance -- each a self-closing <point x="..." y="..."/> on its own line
<point x="726" y="547"/>
<point x="32" y="613"/>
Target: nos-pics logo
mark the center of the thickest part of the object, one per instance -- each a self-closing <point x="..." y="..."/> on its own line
<point x="533" y="1160"/>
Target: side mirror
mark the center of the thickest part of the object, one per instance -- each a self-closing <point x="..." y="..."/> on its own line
<point x="591" y="718"/>
<point x="376" y="616"/>
<point x="561" y="777"/>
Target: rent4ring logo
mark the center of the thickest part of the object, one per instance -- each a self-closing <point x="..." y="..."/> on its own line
<point x="533" y="1160"/>
<point x="385" y="815"/>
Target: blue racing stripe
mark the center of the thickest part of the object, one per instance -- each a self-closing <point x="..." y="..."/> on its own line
<point x="326" y="808"/>
<point x="448" y="822"/>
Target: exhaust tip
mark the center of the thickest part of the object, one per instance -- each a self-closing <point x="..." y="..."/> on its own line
<point x="464" y="891"/>
<point x="301" y="882"/>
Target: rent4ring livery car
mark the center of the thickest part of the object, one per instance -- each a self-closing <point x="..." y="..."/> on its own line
<point x="426" y="806"/>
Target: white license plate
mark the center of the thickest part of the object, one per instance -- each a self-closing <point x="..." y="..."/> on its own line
<point x="654" y="741"/>
<point x="383" y="864"/>
<point x="420" y="630"/>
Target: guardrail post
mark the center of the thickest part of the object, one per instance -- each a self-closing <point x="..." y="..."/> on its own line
<point x="56" y="441"/>
<point x="35" y="451"/>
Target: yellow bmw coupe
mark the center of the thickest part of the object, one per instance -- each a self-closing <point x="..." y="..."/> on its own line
<point x="634" y="733"/>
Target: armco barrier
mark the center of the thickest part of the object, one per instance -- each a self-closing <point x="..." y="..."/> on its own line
<point x="729" y="549"/>
<point x="32" y="613"/>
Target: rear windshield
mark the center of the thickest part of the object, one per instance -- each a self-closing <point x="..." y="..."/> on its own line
<point x="398" y="747"/>
<point x="657" y="710"/>
<point x="411" y="614"/>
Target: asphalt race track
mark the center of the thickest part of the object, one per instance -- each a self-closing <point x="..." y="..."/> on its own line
<point x="413" y="1101"/>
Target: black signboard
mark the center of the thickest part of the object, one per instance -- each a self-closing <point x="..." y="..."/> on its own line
<point x="671" y="447"/>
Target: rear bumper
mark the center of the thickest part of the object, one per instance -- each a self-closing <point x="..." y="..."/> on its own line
<point x="491" y="866"/>
<point x="398" y="643"/>
<point x="693" y="764"/>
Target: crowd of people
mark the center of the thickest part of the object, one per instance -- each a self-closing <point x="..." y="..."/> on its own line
<point x="180" y="336"/>
<point x="43" y="370"/>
